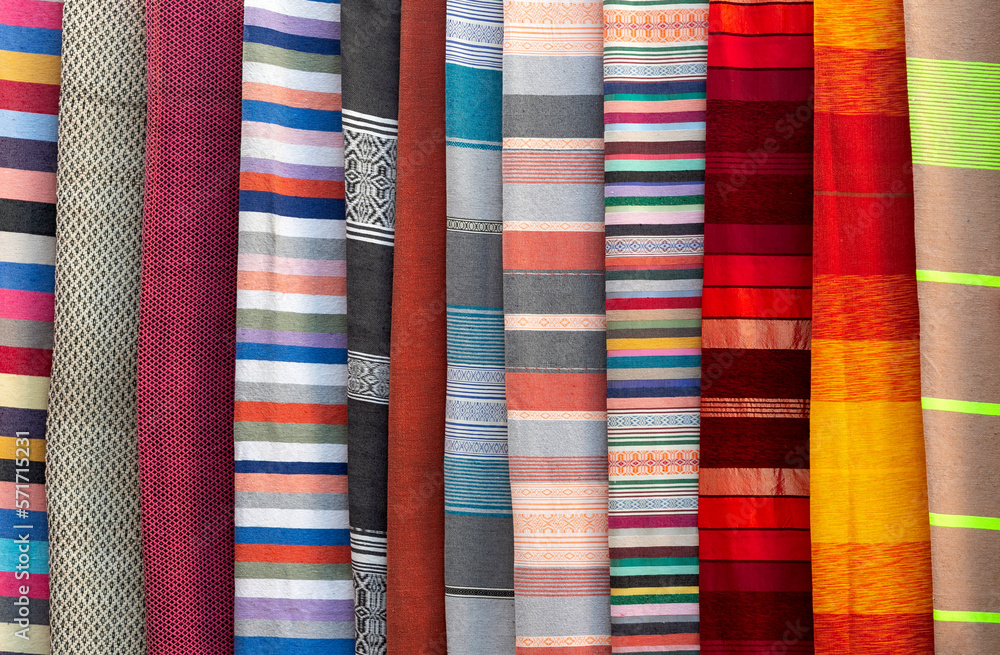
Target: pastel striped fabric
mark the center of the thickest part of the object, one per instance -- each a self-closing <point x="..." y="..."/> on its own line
<point x="754" y="506"/>
<point x="293" y="575"/>
<point x="30" y="45"/>
<point x="654" y="162"/>
<point x="868" y="488"/>
<point x="953" y="79"/>
<point x="554" y="322"/>
<point x="479" y="591"/>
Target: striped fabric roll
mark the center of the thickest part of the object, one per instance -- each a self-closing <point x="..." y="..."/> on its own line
<point x="554" y="322"/>
<point x="370" y="43"/>
<point x="293" y="576"/>
<point x="868" y="487"/>
<point x="479" y="591"/>
<point x="654" y="133"/>
<point x="30" y="46"/>
<point x="754" y="505"/>
<point x="953" y="76"/>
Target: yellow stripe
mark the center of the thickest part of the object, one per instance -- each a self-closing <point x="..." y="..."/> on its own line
<point x="24" y="391"/>
<point x="653" y="344"/>
<point x="36" y="644"/>
<point x="648" y="591"/>
<point x="25" y="67"/>
<point x="36" y="449"/>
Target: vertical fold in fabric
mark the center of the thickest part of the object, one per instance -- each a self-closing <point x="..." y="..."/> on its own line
<point x="654" y="168"/>
<point x="415" y="604"/>
<point x="868" y="487"/>
<point x="187" y="323"/>
<point x="754" y="488"/>
<point x="370" y="41"/>
<point x="293" y="576"/>
<point x="953" y="79"/>
<point x="92" y="457"/>
<point x="30" y="46"/>
<point x="479" y="530"/>
<point x="554" y="324"/>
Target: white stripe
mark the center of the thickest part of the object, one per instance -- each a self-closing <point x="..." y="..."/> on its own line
<point x="20" y="248"/>
<point x="261" y="73"/>
<point x="301" y="8"/>
<point x="296" y="303"/>
<point x="294" y="589"/>
<point x="290" y="153"/>
<point x="293" y="519"/>
<point x="267" y="451"/>
<point x="257" y="370"/>
<point x="378" y="121"/>
<point x="288" y="226"/>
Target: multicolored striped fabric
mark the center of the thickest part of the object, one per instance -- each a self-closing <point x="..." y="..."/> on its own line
<point x="654" y="133"/>
<point x="553" y="295"/>
<point x="953" y="77"/>
<point x="293" y="576"/>
<point x="868" y="485"/>
<point x="479" y="589"/>
<point x="754" y="505"/>
<point x="30" y="46"/>
<point x="371" y="106"/>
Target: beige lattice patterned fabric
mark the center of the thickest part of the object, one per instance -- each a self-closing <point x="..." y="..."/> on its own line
<point x="92" y="459"/>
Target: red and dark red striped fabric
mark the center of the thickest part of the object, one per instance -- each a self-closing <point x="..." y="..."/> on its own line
<point x="415" y="598"/>
<point x="187" y="326"/>
<point x="754" y="479"/>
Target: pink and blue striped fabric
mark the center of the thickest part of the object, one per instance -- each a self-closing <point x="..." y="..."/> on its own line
<point x="293" y="575"/>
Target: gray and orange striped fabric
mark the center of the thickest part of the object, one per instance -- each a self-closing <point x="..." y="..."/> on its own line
<point x="953" y="79"/>
<point x="553" y="274"/>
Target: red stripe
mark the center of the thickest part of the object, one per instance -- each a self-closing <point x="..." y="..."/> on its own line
<point x="28" y="96"/>
<point x="25" y="361"/>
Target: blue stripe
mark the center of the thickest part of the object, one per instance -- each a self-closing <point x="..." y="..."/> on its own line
<point x="274" y="203"/>
<point x="278" y="353"/>
<point x="678" y="361"/>
<point x="38" y="551"/>
<point x="38" y="521"/>
<point x="319" y="120"/>
<point x="267" y="36"/>
<point x="473" y="103"/>
<point x="285" y="646"/>
<point x="31" y="40"/>
<point x="290" y="537"/>
<point x="28" y="277"/>
<point x="291" y="468"/>
<point x="25" y="125"/>
<point x="655" y="88"/>
<point x="668" y="392"/>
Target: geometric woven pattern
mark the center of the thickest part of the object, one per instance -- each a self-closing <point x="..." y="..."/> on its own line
<point x="92" y="455"/>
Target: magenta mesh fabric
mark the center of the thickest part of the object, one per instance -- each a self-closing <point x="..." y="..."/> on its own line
<point x="187" y="323"/>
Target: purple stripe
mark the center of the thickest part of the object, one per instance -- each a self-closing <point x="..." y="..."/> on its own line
<point x="320" y="29"/>
<point x="28" y="154"/>
<point x="635" y="190"/>
<point x="307" y="339"/>
<point x="667" y="521"/>
<point x="293" y="171"/>
<point x="283" y="609"/>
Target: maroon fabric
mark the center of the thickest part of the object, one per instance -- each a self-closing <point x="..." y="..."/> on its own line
<point x="187" y="323"/>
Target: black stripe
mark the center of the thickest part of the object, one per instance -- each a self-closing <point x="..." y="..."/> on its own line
<point x="27" y="217"/>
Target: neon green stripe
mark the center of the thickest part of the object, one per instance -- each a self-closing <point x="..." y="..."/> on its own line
<point x="959" y="278"/>
<point x="967" y="617"/>
<point x="960" y="406"/>
<point x="959" y="521"/>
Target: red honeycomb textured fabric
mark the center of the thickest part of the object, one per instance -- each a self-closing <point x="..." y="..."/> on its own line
<point x="187" y="323"/>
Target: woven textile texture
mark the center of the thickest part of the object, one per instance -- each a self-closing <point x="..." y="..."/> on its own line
<point x="30" y="42"/>
<point x="553" y="295"/>
<point x="754" y="504"/>
<point x="187" y="348"/>
<point x="868" y="487"/>
<point x="92" y="400"/>
<point x="370" y="40"/>
<point x="654" y="162"/>
<point x="415" y="604"/>
<point x="293" y="576"/>
<point x="479" y="530"/>
<point x="953" y="78"/>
